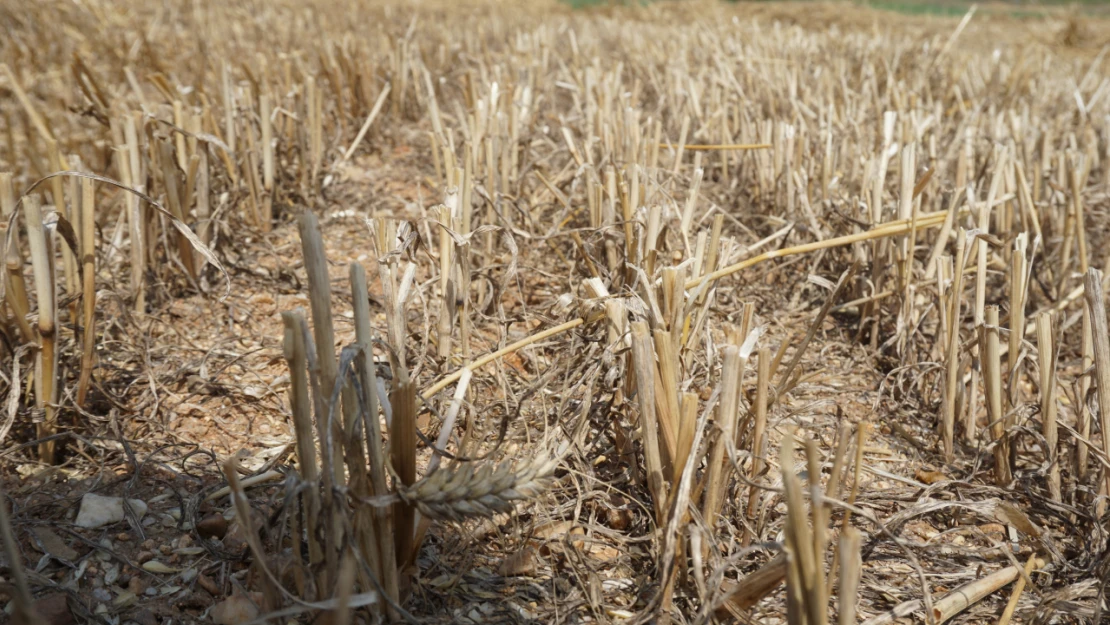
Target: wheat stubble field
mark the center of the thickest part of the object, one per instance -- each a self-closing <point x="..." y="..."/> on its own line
<point x="482" y="312"/>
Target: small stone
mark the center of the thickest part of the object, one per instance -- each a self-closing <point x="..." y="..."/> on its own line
<point x="101" y="595"/>
<point x="208" y="585"/>
<point x="165" y="549"/>
<point x="111" y="574"/>
<point x="151" y="592"/>
<point x="98" y="510"/>
<point x="136" y="586"/>
<point x="212" y="526"/>
<point x="148" y="544"/>
<point x="123" y="536"/>
<point x="144" y="557"/>
<point x="236" y="609"/>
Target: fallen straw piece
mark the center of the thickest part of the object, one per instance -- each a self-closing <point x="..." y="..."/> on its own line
<point x="742" y="595"/>
<point x="246" y="482"/>
<point x="726" y="146"/>
<point x="956" y="601"/>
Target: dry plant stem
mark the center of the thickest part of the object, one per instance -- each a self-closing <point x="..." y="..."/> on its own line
<point x="744" y="594"/>
<point x="969" y="594"/>
<point x="173" y="199"/>
<point x="370" y="122"/>
<point x="667" y="398"/>
<point x="402" y="443"/>
<point x="956" y="601"/>
<point x="759" y="432"/>
<point x="264" y="114"/>
<point x="319" y="288"/>
<point x="805" y="584"/>
<point x="643" y="364"/>
<point x="23" y="610"/>
<point x="488" y="358"/>
<point x="819" y="519"/>
<point x="88" y="296"/>
<point x="784" y="379"/>
<point x="16" y="286"/>
<point x="887" y="230"/>
<point x="1047" y="361"/>
<point x="372" y="427"/>
<point x="687" y="419"/>
<point x="1017" y="309"/>
<point x="1082" y="411"/>
<point x="247" y="482"/>
<point x="44" y="290"/>
<point x="301" y="404"/>
<point x="132" y="175"/>
<point x="345" y="588"/>
<point x="717" y="480"/>
<point x="330" y="433"/>
<point x="729" y="146"/>
<point x="992" y="388"/>
<point x="1019" y="587"/>
<point x="850" y="568"/>
<point x="951" y="390"/>
<point x="1096" y="303"/>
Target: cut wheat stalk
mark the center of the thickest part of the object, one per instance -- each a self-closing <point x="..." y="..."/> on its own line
<point x="1018" y="277"/>
<point x="1047" y="361"/>
<point x="992" y="389"/>
<point x="759" y="431"/>
<point x="372" y="429"/>
<point x="47" y="362"/>
<point x="804" y="575"/>
<point x="667" y="400"/>
<point x="952" y="365"/>
<point x="1096" y="303"/>
<point x="15" y="292"/>
<point x="88" y="294"/>
<point x="133" y="176"/>
<point x="717" y="480"/>
<point x="301" y="405"/>
<point x="643" y="364"/>
<point x="850" y="569"/>
<point x="265" y="114"/>
<point x="402" y="444"/>
<point x="173" y="200"/>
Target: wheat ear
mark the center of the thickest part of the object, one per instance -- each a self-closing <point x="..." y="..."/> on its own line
<point x="464" y="491"/>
